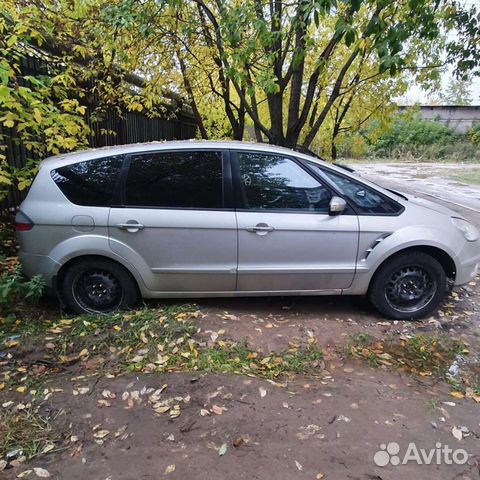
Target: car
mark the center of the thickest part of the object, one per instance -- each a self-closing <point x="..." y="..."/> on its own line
<point x="188" y="219"/>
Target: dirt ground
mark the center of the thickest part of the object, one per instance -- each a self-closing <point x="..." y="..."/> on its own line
<point x="241" y="427"/>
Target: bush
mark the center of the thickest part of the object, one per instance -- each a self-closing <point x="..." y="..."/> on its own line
<point x="14" y="287"/>
<point x="474" y="133"/>
<point x="413" y="138"/>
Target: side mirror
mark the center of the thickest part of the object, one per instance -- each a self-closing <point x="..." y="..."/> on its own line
<point x="337" y="206"/>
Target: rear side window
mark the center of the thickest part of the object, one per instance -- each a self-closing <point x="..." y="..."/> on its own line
<point x="175" y="180"/>
<point x="366" y="199"/>
<point x="90" y="183"/>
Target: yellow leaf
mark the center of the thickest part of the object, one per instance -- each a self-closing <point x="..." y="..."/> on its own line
<point x="2" y="386"/>
<point x="21" y="389"/>
<point x="117" y="328"/>
<point x="37" y="115"/>
<point x="11" y="343"/>
<point x="457" y="394"/>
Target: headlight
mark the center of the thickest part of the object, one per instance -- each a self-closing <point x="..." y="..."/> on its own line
<point x="469" y="231"/>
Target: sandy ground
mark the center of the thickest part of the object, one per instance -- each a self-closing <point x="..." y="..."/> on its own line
<point x="329" y="427"/>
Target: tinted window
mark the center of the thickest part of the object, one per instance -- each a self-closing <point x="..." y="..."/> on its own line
<point x="366" y="199"/>
<point x="89" y="183"/>
<point x="275" y="182"/>
<point x="176" y="179"/>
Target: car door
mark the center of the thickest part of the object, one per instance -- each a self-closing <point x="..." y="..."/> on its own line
<point x="287" y="241"/>
<point x="174" y="224"/>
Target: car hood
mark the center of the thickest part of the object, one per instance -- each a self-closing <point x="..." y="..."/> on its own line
<point x="422" y="202"/>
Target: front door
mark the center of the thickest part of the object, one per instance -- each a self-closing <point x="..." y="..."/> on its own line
<point x="287" y="241"/>
<point x="172" y="225"/>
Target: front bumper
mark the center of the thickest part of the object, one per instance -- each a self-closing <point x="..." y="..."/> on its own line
<point x="39" y="265"/>
<point x="467" y="263"/>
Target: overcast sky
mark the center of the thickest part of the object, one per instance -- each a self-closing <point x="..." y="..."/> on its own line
<point x="416" y="95"/>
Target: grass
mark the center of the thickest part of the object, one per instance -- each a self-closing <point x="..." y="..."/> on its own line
<point x="28" y="431"/>
<point x="147" y="340"/>
<point x="239" y="358"/>
<point x="431" y="405"/>
<point x="418" y="354"/>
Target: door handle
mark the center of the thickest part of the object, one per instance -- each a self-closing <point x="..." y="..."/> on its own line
<point x="130" y="226"/>
<point x="260" y="228"/>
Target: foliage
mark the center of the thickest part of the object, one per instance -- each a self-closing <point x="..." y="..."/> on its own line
<point x="43" y="112"/>
<point x="418" y="354"/>
<point x="474" y="133"/>
<point x="413" y="131"/>
<point x="86" y="69"/>
<point x="284" y="67"/>
<point x="457" y="92"/>
<point x="15" y="288"/>
<point x="412" y="138"/>
<point x="463" y="50"/>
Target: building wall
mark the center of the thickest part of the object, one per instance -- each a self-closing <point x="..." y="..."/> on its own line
<point x="459" y="119"/>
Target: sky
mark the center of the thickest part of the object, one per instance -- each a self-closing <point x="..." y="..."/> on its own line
<point x="416" y="94"/>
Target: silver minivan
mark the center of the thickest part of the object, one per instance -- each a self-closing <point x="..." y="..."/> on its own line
<point x="195" y="219"/>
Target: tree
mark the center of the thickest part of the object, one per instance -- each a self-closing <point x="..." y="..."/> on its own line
<point x="457" y="92"/>
<point x="284" y="65"/>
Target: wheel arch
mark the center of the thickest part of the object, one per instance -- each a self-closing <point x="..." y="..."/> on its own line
<point x="79" y="258"/>
<point x="445" y="260"/>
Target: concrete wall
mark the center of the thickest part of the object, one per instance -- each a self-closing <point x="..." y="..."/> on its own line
<point x="459" y="119"/>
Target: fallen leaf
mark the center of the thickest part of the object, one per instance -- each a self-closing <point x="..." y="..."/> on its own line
<point x="108" y="394"/>
<point x="170" y="469"/>
<point x="41" y="472"/>
<point x="121" y="431"/>
<point x="299" y="466"/>
<point x="262" y="392"/>
<point x="237" y="442"/>
<point x="101" y="434"/>
<point x="216" y="409"/>
<point x="162" y="409"/>
<point x="457" y="433"/>
<point x="24" y="474"/>
<point x="457" y="394"/>
<point x="48" y="448"/>
<point x="223" y="449"/>
<point x="175" y="411"/>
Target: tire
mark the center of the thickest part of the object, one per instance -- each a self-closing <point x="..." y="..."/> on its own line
<point x="408" y="286"/>
<point x="97" y="286"/>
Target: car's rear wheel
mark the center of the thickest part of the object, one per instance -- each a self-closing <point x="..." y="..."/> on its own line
<point x="411" y="285"/>
<point x="98" y="286"/>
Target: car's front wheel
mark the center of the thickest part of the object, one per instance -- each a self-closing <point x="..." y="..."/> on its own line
<point x="97" y="286"/>
<point x="411" y="285"/>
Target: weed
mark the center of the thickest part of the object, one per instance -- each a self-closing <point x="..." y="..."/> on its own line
<point x="418" y="354"/>
<point x="27" y="430"/>
<point x="431" y="405"/>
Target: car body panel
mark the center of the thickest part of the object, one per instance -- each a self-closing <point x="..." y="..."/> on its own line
<point x="314" y="253"/>
<point x="305" y="251"/>
<point x="189" y="250"/>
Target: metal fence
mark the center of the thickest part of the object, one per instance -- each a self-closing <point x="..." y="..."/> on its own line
<point x="113" y="129"/>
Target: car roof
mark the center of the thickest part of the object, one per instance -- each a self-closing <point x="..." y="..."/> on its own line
<point x="91" y="153"/>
